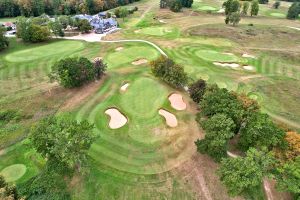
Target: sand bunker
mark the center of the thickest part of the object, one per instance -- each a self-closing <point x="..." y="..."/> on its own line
<point x="137" y="31"/>
<point x="117" y="119"/>
<point x="245" y="55"/>
<point x="171" y="119"/>
<point x="230" y="54"/>
<point x="177" y="101"/>
<point x="222" y="10"/>
<point x="248" y="67"/>
<point x="124" y="87"/>
<point x="140" y="62"/>
<point x="232" y="65"/>
<point x="119" y="48"/>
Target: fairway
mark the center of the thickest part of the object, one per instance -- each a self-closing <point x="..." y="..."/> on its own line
<point x="44" y="51"/>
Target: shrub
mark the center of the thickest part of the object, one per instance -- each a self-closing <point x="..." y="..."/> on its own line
<point x="73" y="72"/>
<point x="169" y="71"/>
<point x="175" y="5"/>
<point x="197" y="90"/>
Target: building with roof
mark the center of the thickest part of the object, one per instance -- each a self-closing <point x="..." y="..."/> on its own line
<point x="100" y="22"/>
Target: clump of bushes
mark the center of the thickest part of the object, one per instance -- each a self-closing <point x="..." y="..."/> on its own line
<point x="170" y="72"/>
<point x="75" y="72"/>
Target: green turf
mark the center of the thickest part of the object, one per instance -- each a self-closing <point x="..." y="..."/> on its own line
<point x="280" y="15"/>
<point x="13" y="172"/>
<point x="207" y="8"/>
<point x="129" y="54"/>
<point x="156" y="31"/>
<point x="211" y="55"/>
<point x="42" y="52"/>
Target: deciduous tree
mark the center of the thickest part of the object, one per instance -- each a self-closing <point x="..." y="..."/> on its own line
<point x="197" y="90"/>
<point x="62" y="140"/>
<point x="245" y="173"/>
<point x="254" y="8"/>
<point x="3" y="40"/>
<point x="218" y="130"/>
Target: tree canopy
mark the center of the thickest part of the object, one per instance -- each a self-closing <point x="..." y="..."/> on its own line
<point x="170" y="72"/>
<point x="218" y="130"/>
<point x="197" y="90"/>
<point x="260" y="131"/>
<point x="62" y="140"/>
<point x="3" y="40"/>
<point x="74" y="72"/>
<point x="245" y="173"/>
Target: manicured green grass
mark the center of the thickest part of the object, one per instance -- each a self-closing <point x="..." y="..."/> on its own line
<point x="129" y="54"/>
<point x="42" y="52"/>
<point x="13" y="172"/>
<point x="20" y="162"/>
<point x="10" y="19"/>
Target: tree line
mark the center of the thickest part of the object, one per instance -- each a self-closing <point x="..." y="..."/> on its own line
<point x="266" y="149"/>
<point x="13" y="8"/>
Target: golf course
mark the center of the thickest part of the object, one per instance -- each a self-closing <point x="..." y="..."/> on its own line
<point x="145" y="129"/>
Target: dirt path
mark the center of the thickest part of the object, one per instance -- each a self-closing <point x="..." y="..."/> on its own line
<point x="81" y="94"/>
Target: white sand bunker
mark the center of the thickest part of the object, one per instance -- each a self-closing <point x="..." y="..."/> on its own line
<point x="232" y="65"/>
<point x="140" y="62"/>
<point x="124" y="87"/>
<point x="119" y="48"/>
<point x="171" y="119"/>
<point x="245" y="55"/>
<point x="117" y="119"/>
<point x="248" y="67"/>
<point x="230" y="54"/>
<point x="222" y="10"/>
<point x="137" y="31"/>
<point x="177" y="101"/>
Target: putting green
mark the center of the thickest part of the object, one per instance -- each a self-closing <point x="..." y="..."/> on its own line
<point x="281" y="15"/>
<point x="157" y="31"/>
<point x="13" y="172"/>
<point x="130" y="54"/>
<point x="207" y="8"/>
<point x="44" y="51"/>
<point x="144" y="98"/>
<point x="212" y="55"/>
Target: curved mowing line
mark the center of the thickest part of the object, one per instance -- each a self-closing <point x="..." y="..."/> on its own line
<point x="143" y="41"/>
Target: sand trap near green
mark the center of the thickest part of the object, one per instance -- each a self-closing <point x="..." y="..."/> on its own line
<point x="13" y="172"/>
<point x="207" y="8"/>
<point x="211" y="55"/>
<point x="129" y="55"/>
<point x="144" y="98"/>
<point x="156" y="31"/>
<point x="44" y="51"/>
<point x="281" y="15"/>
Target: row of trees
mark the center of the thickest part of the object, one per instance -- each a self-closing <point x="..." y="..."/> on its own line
<point x="40" y="29"/>
<point x="234" y="9"/>
<point x="269" y="151"/>
<point x="13" y="8"/>
<point x="176" y="5"/>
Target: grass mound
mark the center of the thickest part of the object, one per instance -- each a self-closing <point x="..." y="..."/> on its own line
<point x="141" y="100"/>
<point x="211" y="55"/>
<point x="13" y="172"/>
<point x="130" y="54"/>
<point x="207" y="8"/>
<point x="280" y="15"/>
<point x="157" y="31"/>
